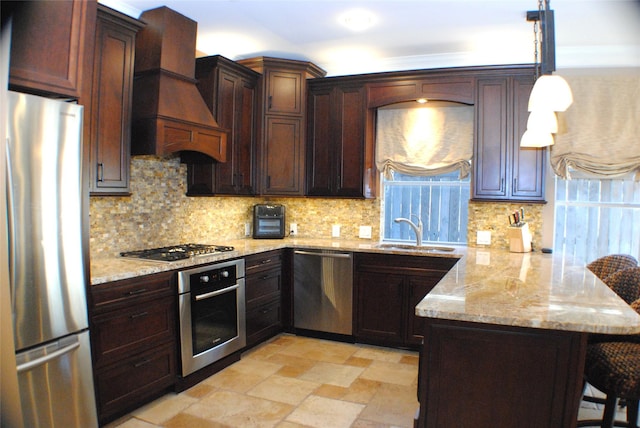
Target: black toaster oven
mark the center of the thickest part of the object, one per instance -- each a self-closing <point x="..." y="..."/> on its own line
<point x="268" y="221"/>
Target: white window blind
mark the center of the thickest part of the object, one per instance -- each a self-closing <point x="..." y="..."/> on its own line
<point x="599" y="134"/>
<point x="425" y="141"/>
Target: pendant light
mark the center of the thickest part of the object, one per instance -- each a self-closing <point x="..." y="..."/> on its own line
<point x="550" y="93"/>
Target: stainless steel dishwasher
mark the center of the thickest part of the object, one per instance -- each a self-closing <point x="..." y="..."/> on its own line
<point x="323" y="291"/>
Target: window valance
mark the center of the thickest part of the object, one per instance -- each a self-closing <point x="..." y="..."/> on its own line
<point x="600" y="132"/>
<point x="424" y="141"/>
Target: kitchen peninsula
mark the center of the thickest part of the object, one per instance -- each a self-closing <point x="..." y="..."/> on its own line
<point x="505" y="339"/>
<point x="505" y="333"/>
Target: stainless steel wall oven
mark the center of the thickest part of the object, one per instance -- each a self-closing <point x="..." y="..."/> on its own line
<point x="212" y="313"/>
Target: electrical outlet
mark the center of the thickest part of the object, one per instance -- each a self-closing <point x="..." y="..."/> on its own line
<point x="483" y="237"/>
<point x="335" y="231"/>
<point x="365" y="232"/>
<point x="247" y="229"/>
<point x="293" y="229"/>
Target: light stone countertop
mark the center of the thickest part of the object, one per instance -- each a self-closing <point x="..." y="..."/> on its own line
<point x="486" y="285"/>
<point x="116" y="268"/>
<point x="528" y="290"/>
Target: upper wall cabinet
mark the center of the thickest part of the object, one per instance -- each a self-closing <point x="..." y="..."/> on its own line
<point x="230" y="91"/>
<point x="51" y="46"/>
<point x="110" y="114"/>
<point x="282" y="112"/>
<point x="503" y="170"/>
<point x="336" y="145"/>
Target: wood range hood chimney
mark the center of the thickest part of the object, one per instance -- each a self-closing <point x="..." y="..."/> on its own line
<point x="169" y="114"/>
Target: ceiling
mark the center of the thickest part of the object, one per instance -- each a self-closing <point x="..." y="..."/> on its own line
<point x="408" y="34"/>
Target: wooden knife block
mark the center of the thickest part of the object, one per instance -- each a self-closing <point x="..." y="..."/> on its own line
<point x="519" y="239"/>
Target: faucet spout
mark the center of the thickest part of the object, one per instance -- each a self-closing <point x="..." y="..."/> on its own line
<point x="417" y="228"/>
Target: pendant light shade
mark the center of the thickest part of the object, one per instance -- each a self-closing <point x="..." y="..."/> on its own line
<point x="535" y="138"/>
<point x="550" y="92"/>
<point x="543" y="121"/>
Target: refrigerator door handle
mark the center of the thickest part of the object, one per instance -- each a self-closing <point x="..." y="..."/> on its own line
<point x="12" y="232"/>
<point x="46" y="358"/>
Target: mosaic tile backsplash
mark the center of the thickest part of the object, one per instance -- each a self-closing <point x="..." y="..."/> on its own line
<point x="159" y="213"/>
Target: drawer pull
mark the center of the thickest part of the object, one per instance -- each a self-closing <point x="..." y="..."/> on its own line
<point x="142" y="363"/>
<point x="264" y="277"/>
<point x="139" y="315"/>
<point x="138" y="291"/>
<point x="265" y="261"/>
<point x="266" y="311"/>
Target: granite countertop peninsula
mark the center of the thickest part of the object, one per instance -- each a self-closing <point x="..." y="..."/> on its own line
<point x="109" y="269"/>
<point x="528" y="290"/>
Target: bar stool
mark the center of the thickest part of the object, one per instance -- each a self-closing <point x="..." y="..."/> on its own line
<point x="607" y="265"/>
<point x="614" y="368"/>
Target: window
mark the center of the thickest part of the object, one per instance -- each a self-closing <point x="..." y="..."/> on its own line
<point x="596" y="217"/>
<point x="440" y="201"/>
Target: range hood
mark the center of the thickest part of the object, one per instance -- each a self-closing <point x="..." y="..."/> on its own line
<point x="169" y="114"/>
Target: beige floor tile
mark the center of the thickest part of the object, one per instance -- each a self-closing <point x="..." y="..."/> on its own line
<point x="233" y="380"/>
<point x="331" y="391"/>
<point x="256" y="367"/>
<point x="361" y="391"/>
<point x="392" y="404"/>
<point x="324" y="412"/>
<point x="284" y="389"/>
<point x="184" y="420"/>
<point x="383" y="371"/>
<point x="320" y="350"/>
<point x="237" y="410"/>
<point x="303" y="364"/>
<point x="164" y="408"/>
<point x="413" y="360"/>
<point x="333" y="374"/>
<point x="130" y="422"/>
<point x="198" y="391"/>
<point x="379" y="354"/>
<point x="358" y="362"/>
<point x="362" y="423"/>
<point x="287" y="424"/>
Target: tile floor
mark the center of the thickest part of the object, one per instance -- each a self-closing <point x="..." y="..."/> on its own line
<point x="292" y="381"/>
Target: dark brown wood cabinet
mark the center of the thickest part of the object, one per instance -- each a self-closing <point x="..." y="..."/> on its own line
<point x="387" y="289"/>
<point x="110" y="113"/>
<point x="503" y="170"/>
<point x="134" y="339"/>
<point x="51" y="46"/>
<point x="230" y="91"/>
<point x="474" y="374"/>
<point x="264" y="282"/>
<point x="282" y="115"/>
<point x="336" y="146"/>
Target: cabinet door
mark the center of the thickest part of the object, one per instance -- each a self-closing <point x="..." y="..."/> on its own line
<point x="110" y="119"/>
<point x="528" y="165"/>
<point x="240" y="171"/>
<point x="380" y="314"/>
<point x="335" y="144"/>
<point x="491" y="140"/>
<point x="320" y="159"/>
<point x="419" y="287"/>
<point x="284" y="92"/>
<point x="50" y="41"/>
<point x="282" y="156"/>
<point x="349" y="141"/>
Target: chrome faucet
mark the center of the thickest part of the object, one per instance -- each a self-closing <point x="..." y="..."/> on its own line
<point x="417" y="229"/>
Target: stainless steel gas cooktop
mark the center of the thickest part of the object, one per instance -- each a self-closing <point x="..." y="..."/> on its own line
<point x="177" y="252"/>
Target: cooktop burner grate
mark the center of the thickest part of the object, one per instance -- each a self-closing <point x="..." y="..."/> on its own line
<point x="176" y="252"/>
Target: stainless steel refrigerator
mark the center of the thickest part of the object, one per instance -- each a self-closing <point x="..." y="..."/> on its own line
<point x="46" y="262"/>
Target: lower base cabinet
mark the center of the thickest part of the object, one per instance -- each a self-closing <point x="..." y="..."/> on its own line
<point x="134" y="339"/>
<point x="387" y="289"/>
<point x="264" y="281"/>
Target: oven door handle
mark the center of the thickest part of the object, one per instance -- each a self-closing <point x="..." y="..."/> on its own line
<point x="216" y="293"/>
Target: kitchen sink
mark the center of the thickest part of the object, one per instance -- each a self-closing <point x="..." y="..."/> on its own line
<point x="390" y="246"/>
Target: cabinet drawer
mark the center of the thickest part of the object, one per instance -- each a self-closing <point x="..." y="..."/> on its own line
<point x="117" y="334"/>
<point x="132" y="291"/>
<point x="264" y="321"/>
<point x="404" y="264"/>
<point x="263" y="285"/>
<point x="262" y="261"/>
<point x="129" y="383"/>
